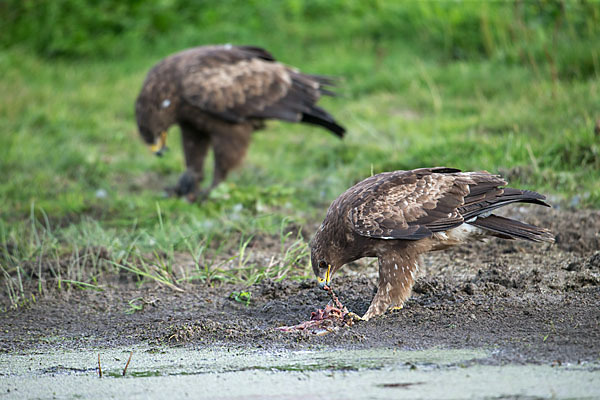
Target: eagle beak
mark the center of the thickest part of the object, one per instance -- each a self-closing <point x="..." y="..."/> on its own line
<point x="323" y="282"/>
<point x="160" y="144"/>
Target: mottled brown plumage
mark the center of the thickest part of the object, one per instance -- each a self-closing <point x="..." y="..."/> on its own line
<point x="397" y="216"/>
<point x="219" y="95"/>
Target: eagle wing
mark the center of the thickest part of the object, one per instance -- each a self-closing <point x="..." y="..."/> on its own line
<point x="413" y="204"/>
<point x="235" y="83"/>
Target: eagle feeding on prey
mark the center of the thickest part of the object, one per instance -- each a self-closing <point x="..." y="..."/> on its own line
<point x="397" y="216"/>
<point x="219" y="95"/>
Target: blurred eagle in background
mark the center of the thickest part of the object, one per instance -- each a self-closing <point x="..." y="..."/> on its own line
<point x="219" y="95"/>
<point x="397" y="216"/>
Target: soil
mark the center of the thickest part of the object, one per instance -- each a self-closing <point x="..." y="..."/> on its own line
<point x="526" y="302"/>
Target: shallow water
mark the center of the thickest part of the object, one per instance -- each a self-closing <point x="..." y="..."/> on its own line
<point x="221" y="373"/>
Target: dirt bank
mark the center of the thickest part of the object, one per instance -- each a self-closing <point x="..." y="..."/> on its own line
<point x="528" y="302"/>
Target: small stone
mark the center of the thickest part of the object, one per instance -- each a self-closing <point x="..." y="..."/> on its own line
<point x="101" y="194"/>
<point x="469" y="289"/>
<point x="573" y="266"/>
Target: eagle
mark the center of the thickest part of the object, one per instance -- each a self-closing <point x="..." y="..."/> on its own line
<point x="219" y="95"/>
<point x="397" y="216"/>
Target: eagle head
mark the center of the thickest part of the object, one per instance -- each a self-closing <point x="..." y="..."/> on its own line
<point x="325" y="258"/>
<point x="155" y="112"/>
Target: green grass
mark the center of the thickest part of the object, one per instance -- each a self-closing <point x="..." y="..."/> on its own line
<point x="81" y="197"/>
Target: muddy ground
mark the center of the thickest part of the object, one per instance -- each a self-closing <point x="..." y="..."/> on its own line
<point x="526" y="302"/>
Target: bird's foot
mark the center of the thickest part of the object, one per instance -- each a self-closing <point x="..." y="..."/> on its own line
<point x="186" y="188"/>
<point x="186" y="185"/>
<point x="354" y="316"/>
<point x="395" y="309"/>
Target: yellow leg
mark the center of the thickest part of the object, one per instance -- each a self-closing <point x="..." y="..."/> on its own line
<point x="395" y="308"/>
<point x="354" y="316"/>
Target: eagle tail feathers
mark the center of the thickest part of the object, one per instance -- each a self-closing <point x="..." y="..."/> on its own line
<point x="327" y="92"/>
<point x="318" y="116"/>
<point x="324" y="79"/>
<point x="524" y="196"/>
<point x="477" y="206"/>
<point x="331" y="125"/>
<point x="511" y="229"/>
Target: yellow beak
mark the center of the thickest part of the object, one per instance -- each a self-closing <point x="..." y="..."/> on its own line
<point x="160" y="143"/>
<point x="327" y="279"/>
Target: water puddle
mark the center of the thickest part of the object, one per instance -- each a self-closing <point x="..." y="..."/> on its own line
<point x="222" y="373"/>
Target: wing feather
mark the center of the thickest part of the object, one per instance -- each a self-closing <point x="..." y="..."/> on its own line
<point x="408" y="204"/>
<point x="238" y="90"/>
<point x="414" y="204"/>
<point x="238" y="83"/>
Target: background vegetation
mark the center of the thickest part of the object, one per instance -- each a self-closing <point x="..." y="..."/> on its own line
<point x="510" y="87"/>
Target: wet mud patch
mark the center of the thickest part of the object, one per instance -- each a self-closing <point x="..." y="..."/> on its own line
<point x="524" y="302"/>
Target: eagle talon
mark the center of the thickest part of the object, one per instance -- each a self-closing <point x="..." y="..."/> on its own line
<point x="186" y="184"/>
<point x="394" y="310"/>
<point x="355" y="317"/>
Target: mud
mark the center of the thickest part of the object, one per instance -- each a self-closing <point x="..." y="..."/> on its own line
<point x="522" y="302"/>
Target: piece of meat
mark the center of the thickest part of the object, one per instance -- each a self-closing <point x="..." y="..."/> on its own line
<point x="329" y="319"/>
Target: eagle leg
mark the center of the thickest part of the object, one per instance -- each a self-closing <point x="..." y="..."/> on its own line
<point x="230" y="145"/>
<point x="186" y="186"/>
<point x="195" y="147"/>
<point x="396" y="278"/>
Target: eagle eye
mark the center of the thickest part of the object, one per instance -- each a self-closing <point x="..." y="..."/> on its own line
<point x="322" y="264"/>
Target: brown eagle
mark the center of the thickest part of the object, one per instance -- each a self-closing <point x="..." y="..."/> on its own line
<point x="396" y="216"/>
<point x="219" y="95"/>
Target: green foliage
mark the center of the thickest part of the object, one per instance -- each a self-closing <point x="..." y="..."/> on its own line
<point x="138" y="304"/>
<point x="83" y="28"/>
<point x="531" y="32"/>
<point x="241" y="297"/>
